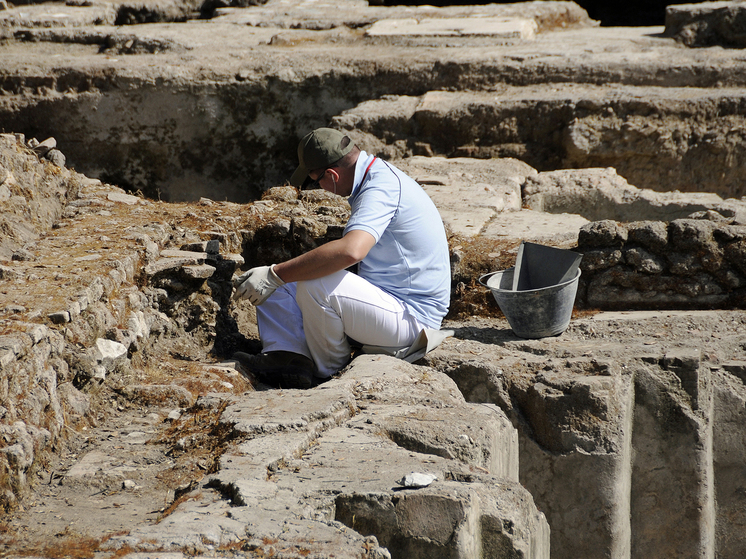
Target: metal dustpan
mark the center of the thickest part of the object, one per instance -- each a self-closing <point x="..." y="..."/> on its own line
<point x="539" y="266"/>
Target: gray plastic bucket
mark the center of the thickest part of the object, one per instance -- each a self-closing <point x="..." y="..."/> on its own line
<point x="533" y="313"/>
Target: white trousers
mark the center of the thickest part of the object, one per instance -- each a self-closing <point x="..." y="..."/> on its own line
<point x="315" y="317"/>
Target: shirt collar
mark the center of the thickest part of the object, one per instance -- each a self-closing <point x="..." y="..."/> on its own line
<point x="363" y="160"/>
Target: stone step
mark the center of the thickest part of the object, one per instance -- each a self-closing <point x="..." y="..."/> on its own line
<point x="499" y="28"/>
<point x="260" y="46"/>
<point x="305" y="471"/>
<point x="652" y="136"/>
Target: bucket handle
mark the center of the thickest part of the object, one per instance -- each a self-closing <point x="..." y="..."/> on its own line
<point x="486" y="277"/>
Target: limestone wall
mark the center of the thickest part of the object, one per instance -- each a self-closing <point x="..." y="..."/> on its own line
<point x="629" y="446"/>
<point x="83" y="297"/>
<point x="686" y="263"/>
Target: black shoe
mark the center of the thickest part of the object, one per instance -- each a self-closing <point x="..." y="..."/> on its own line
<point x="283" y="369"/>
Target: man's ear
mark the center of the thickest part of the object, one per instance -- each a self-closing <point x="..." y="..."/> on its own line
<point x="334" y="172"/>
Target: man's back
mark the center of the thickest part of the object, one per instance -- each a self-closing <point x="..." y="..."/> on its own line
<point x="410" y="259"/>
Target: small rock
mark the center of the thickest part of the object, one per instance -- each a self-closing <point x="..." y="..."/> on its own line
<point x="23" y="255"/>
<point x="8" y="273"/>
<point x="14" y="309"/>
<point x="59" y="317"/>
<point x="129" y="484"/>
<point x="201" y="271"/>
<point x="174" y="415"/>
<point x="56" y="157"/>
<point x="42" y="148"/>
<point x="122" y="198"/>
<point x="416" y="480"/>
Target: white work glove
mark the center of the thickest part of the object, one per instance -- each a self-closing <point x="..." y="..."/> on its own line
<point x="257" y="284"/>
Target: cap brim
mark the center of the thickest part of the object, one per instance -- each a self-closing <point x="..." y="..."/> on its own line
<point x="299" y="176"/>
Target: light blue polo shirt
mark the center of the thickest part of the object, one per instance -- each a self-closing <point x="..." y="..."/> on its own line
<point x="410" y="259"/>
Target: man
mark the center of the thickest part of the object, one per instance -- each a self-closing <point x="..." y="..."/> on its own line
<point x="310" y="306"/>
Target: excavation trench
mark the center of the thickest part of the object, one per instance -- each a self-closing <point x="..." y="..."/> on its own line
<point x="232" y="139"/>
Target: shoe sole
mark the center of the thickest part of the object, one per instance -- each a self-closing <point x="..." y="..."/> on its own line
<point x="295" y="379"/>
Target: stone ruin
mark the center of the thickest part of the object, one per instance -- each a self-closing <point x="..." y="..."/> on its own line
<point x="623" y="437"/>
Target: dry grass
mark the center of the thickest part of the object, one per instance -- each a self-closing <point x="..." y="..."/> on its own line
<point x="71" y="546"/>
<point x="478" y="256"/>
<point x="206" y="440"/>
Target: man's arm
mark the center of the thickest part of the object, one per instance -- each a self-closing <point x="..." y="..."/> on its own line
<point x="328" y="258"/>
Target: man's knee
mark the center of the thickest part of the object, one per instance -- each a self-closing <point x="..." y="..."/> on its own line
<point x="318" y="290"/>
<point x="310" y="292"/>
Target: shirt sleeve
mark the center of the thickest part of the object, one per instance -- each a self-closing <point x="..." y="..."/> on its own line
<point x="374" y="208"/>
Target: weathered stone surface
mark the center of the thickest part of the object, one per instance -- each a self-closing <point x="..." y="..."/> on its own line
<point x="599" y="194"/>
<point x="687" y="262"/>
<point x="499" y="28"/>
<point x="669" y="437"/>
<point x="729" y="444"/>
<point x="202" y="271"/>
<point x="707" y="24"/>
<point x="331" y="437"/>
<point x="604" y="233"/>
<point x="485" y="188"/>
<point x="187" y="154"/>
<point x="643" y="398"/>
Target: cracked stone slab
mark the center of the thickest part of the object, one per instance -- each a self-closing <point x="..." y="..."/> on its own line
<point x="308" y="453"/>
<point x="532" y="226"/>
<point x="262" y="413"/>
<point x="469" y="194"/>
<point x="500" y="28"/>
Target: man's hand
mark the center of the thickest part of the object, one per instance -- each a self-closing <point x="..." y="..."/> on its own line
<point x="257" y="284"/>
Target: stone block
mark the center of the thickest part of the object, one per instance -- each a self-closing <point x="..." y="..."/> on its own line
<point x="202" y="271"/>
<point x="501" y="28"/>
<point x="707" y="24"/>
<point x="193" y="257"/>
<point x="606" y="234"/>
<point x="107" y="354"/>
<point x="168" y="265"/>
<point x="210" y="247"/>
<point x="468" y="195"/>
<point x="292" y="410"/>
<point x="122" y="198"/>
<point x="652" y="235"/>
<point x="643" y="261"/>
<point x="237" y="259"/>
<point x="672" y="491"/>
<point x="729" y="456"/>
<point x="691" y="234"/>
<point x="448" y="519"/>
<point x="595" y="260"/>
<point x="685" y="364"/>
<point x="737" y="368"/>
<point x="477" y="435"/>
